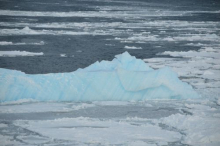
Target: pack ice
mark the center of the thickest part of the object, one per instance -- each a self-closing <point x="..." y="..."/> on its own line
<point x="124" y="78"/>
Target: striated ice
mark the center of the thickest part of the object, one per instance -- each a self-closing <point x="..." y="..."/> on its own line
<point x="125" y="78"/>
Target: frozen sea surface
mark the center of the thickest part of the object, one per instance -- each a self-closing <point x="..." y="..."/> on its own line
<point x="172" y="122"/>
<point x="38" y="37"/>
<point x="153" y="122"/>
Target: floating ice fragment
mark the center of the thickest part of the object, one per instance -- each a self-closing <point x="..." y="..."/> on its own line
<point x="125" y="78"/>
<point x="5" y="43"/>
<point x="63" y="55"/>
<point x="132" y="47"/>
<point x="18" y="53"/>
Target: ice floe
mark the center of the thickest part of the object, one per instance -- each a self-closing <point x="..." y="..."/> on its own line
<point x="63" y="55"/>
<point x="19" y="53"/>
<point x="199" y="68"/>
<point x="29" y="31"/>
<point x="5" y="43"/>
<point x="199" y="130"/>
<point x="132" y="47"/>
<point x="113" y="14"/>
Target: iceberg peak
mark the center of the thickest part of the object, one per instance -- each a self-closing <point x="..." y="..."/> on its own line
<point x="124" y="78"/>
<point x="125" y="57"/>
<point x="124" y="60"/>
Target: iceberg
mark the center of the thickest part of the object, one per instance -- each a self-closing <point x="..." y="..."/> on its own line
<point x="125" y="78"/>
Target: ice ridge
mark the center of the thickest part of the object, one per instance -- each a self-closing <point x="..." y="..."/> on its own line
<point x="125" y="78"/>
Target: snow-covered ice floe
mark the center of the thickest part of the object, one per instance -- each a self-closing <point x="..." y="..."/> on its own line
<point x="4" y="43"/>
<point x="200" y="69"/>
<point x="125" y="78"/>
<point x="132" y="47"/>
<point x="19" y="53"/>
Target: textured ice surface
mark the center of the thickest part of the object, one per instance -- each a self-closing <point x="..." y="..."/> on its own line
<point x="87" y="130"/>
<point x="152" y="122"/>
<point x="200" y="68"/>
<point x="124" y="78"/>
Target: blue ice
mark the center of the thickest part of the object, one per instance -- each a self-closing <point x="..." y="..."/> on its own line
<point x="125" y="78"/>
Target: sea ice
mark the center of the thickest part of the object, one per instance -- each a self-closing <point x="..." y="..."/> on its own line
<point x="63" y="55"/>
<point x="125" y="78"/>
<point x="132" y="47"/>
<point x="19" y="53"/>
<point x="87" y="130"/>
<point x="199" y="130"/>
<point x="199" y="68"/>
<point x="4" y="43"/>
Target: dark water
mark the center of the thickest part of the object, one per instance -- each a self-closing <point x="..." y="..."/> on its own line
<point x="103" y="21"/>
